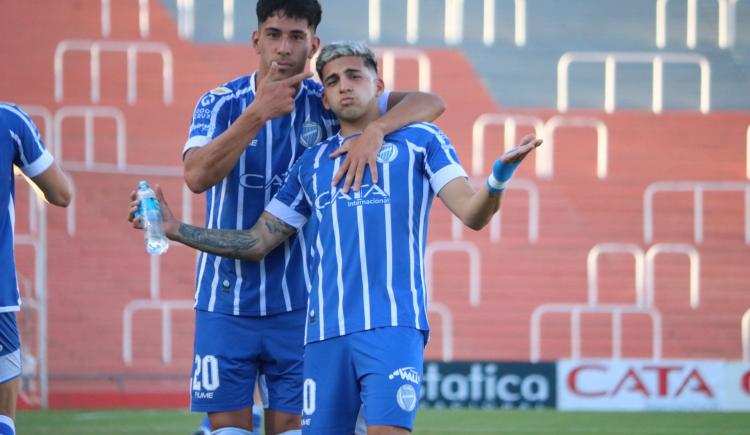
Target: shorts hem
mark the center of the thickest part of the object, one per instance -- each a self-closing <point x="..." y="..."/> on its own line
<point x="386" y="423"/>
<point x="10" y="378"/>
<point x="219" y="408"/>
<point x="296" y="411"/>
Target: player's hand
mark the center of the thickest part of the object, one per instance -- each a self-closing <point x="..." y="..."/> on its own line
<point x="362" y="151"/>
<point x="275" y="95"/>
<point x="135" y="204"/>
<point x="514" y="156"/>
<point x="171" y="224"/>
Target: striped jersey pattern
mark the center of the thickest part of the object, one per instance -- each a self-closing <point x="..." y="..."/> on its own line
<point x="20" y="146"/>
<point x="367" y="248"/>
<point x="279" y="282"/>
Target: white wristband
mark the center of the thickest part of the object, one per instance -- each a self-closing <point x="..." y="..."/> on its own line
<point x="494" y="185"/>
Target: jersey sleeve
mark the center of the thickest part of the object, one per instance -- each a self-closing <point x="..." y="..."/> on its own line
<point x="290" y="204"/>
<point x="441" y="160"/>
<point x="211" y="117"/>
<point x="32" y="157"/>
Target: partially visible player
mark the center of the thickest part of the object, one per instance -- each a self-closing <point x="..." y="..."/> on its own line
<point x="366" y="318"/>
<point x="22" y="147"/>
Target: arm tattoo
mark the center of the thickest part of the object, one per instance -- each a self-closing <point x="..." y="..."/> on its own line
<point x="277" y="226"/>
<point x="252" y="244"/>
<point x="226" y="243"/>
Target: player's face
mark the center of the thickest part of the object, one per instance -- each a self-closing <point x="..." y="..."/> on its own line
<point x="351" y="88"/>
<point x="290" y="42"/>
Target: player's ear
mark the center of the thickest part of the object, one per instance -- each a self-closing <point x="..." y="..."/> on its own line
<point x="379" y="86"/>
<point x="256" y="40"/>
<point x="325" y="100"/>
<point x="314" y="46"/>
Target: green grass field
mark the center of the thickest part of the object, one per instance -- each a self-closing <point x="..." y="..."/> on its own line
<point x="429" y="422"/>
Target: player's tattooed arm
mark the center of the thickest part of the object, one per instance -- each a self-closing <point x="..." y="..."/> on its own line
<point x="253" y="244"/>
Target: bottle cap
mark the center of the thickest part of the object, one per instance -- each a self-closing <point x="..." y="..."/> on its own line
<point x="143" y="185"/>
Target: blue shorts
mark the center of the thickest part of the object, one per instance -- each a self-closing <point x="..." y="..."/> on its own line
<point x="231" y="351"/>
<point x="10" y="348"/>
<point x="380" y="369"/>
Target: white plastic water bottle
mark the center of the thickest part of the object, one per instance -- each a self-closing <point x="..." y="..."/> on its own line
<point x="150" y="212"/>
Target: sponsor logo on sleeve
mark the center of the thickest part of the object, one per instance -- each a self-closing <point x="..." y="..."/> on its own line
<point x="221" y="90"/>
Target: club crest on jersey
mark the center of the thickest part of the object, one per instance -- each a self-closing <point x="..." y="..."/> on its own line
<point x="406" y="397"/>
<point x="388" y="152"/>
<point x="221" y="90"/>
<point x="311" y="134"/>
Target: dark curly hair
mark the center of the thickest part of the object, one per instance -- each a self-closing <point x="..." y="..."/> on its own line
<point x="303" y="9"/>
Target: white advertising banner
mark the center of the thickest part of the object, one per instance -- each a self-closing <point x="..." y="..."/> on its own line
<point x="640" y="385"/>
<point x="737" y="387"/>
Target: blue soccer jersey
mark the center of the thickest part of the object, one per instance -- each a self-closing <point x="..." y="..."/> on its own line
<point x="20" y="146"/>
<point x="279" y="282"/>
<point x="367" y="255"/>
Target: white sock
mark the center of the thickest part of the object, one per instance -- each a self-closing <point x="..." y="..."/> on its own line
<point x="231" y="431"/>
<point x="7" y="426"/>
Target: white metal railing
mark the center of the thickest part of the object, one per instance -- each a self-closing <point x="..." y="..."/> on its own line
<point x="544" y="154"/>
<point x="610" y="60"/>
<point x="645" y="270"/>
<point x="446" y="323"/>
<point x="745" y="326"/>
<point x="576" y="310"/>
<point x="89" y="113"/>
<point x="474" y="256"/>
<point x="457" y="227"/>
<point x="132" y="50"/>
<point x="453" y="28"/>
<point x="510" y="125"/>
<point x="697" y="188"/>
<point x="424" y="66"/>
<point x="592" y="269"/>
<point x="166" y="307"/>
<point x="143" y="18"/>
<point x="747" y="153"/>
<point x="186" y="19"/>
<point x="727" y="23"/>
<point x="673" y="248"/>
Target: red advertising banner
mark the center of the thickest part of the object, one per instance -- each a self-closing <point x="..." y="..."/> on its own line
<point x="640" y="385"/>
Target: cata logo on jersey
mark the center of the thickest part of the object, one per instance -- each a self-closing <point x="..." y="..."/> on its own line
<point x="256" y="181"/>
<point x="311" y="134"/>
<point x="369" y="194"/>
